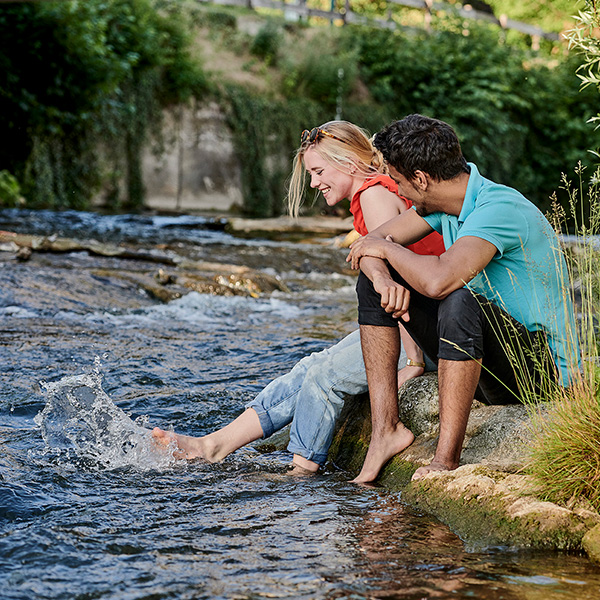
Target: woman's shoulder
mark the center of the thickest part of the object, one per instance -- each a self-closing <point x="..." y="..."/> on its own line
<point x="378" y="186"/>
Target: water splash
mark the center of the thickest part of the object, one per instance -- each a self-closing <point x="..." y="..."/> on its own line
<point x="80" y="419"/>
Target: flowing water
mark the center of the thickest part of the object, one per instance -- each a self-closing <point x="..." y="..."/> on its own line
<point x="89" y="508"/>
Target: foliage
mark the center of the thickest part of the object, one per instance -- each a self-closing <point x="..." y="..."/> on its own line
<point x="266" y="134"/>
<point x="584" y="40"/>
<point x="220" y="19"/>
<point x="267" y="42"/>
<point x="550" y="16"/>
<point x="82" y="86"/>
<point x="324" y="74"/>
<point x="10" y="191"/>
<point x="520" y="120"/>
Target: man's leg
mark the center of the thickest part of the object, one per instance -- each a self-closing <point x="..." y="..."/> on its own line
<point x="380" y="340"/>
<point x="457" y="382"/>
<point x="472" y="332"/>
<point x="389" y="436"/>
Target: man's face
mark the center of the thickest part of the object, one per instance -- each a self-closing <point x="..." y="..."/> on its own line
<point x="410" y="190"/>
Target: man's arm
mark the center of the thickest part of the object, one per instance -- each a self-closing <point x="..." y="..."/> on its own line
<point x="407" y="228"/>
<point x="432" y="276"/>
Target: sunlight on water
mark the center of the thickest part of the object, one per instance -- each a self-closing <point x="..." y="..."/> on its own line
<point x="79" y="418"/>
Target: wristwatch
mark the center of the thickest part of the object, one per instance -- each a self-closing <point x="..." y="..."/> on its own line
<point x="414" y="363"/>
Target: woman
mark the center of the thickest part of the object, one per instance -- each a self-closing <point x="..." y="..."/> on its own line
<point x="341" y="162"/>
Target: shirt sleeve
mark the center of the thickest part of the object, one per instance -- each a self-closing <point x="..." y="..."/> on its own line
<point x="434" y="220"/>
<point x="498" y="221"/>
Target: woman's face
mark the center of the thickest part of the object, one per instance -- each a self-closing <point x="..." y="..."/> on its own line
<point x="335" y="185"/>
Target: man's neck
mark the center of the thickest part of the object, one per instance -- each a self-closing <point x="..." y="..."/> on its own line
<point x="449" y="195"/>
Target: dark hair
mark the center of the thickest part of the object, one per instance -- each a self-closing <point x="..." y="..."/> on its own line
<point x="418" y="143"/>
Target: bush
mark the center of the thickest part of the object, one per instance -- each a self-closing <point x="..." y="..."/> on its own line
<point x="565" y="458"/>
<point x="10" y="191"/>
<point x="267" y="43"/>
<point x="519" y="119"/>
<point x="85" y="85"/>
<point x="266" y="133"/>
<point x="220" y="19"/>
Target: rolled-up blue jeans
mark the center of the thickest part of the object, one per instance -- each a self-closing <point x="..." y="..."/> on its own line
<point x="311" y="396"/>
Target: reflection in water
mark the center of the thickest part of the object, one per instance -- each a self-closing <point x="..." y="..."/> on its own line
<point x="412" y="556"/>
<point x="89" y="510"/>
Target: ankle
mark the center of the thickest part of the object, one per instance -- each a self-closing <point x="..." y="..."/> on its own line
<point x="304" y="463"/>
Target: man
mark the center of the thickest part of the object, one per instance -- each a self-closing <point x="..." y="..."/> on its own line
<point x="493" y="310"/>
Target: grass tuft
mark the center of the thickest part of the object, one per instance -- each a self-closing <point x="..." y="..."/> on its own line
<point x="565" y="454"/>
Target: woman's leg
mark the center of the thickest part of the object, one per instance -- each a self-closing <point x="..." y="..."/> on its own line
<point x="217" y="445"/>
<point x="339" y="373"/>
<point x="272" y="409"/>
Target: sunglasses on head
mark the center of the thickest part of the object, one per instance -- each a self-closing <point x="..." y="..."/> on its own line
<point x="315" y="134"/>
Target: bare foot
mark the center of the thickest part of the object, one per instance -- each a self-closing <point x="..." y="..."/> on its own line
<point x="407" y="373"/>
<point x="381" y="449"/>
<point x="187" y="447"/>
<point x="433" y="467"/>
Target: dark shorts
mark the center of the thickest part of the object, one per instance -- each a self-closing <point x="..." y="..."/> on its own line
<point x="465" y="326"/>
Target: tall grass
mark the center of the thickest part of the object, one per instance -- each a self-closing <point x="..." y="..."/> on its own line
<point x="565" y="453"/>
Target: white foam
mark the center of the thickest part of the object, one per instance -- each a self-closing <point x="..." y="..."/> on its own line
<point x="80" y="421"/>
<point x="18" y="312"/>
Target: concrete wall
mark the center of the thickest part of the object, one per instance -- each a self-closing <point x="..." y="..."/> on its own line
<point x="199" y="170"/>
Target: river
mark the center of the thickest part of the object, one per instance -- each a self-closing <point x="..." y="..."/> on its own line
<point x="90" y="509"/>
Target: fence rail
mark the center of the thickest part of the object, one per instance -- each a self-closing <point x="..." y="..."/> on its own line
<point x="301" y="9"/>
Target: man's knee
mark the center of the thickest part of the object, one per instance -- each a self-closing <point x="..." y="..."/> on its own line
<point x="460" y="326"/>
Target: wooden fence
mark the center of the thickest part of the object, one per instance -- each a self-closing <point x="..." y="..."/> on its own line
<point x="301" y="9"/>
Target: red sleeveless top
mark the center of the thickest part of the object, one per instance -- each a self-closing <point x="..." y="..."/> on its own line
<point x="430" y="244"/>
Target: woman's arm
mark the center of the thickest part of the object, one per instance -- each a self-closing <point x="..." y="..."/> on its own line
<point x="379" y="205"/>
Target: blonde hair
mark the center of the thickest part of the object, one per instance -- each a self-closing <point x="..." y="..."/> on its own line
<point x="352" y="152"/>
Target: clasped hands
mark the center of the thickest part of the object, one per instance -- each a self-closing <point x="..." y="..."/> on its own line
<point x="395" y="298"/>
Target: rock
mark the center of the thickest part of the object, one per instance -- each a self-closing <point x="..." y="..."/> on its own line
<point x="23" y="254"/>
<point x="476" y="504"/>
<point x="591" y="543"/>
<point x="286" y="225"/>
<point x="487" y="500"/>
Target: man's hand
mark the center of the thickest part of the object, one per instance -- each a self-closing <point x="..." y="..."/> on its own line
<point x="394" y="297"/>
<point x="368" y="246"/>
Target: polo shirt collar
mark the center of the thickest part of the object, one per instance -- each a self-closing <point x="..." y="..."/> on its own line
<point x="475" y="182"/>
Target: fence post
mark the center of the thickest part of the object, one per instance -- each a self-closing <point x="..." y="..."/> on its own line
<point x="427" y="17"/>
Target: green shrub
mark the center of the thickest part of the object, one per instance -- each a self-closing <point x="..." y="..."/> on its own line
<point x="84" y="87"/>
<point x="323" y="74"/>
<point x="10" y="191"/>
<point x="520" y="119"/>
<point x="565" y="460"/>
<point x="266" y="134"/>
<point x="220" y="19"/>
<point x="267" y="43"/>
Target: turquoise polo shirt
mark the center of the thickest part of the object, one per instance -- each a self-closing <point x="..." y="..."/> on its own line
<point x="528" y="275"/>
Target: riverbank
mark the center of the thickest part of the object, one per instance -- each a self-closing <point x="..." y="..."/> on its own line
<point x="490" y="499"/>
